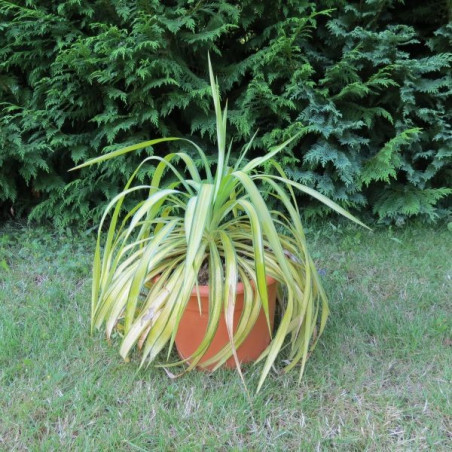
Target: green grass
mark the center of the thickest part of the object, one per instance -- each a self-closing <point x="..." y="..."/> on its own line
<point x="380" y="378"/>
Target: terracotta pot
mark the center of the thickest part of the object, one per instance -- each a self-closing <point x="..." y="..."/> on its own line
<point x="193" y="325"/>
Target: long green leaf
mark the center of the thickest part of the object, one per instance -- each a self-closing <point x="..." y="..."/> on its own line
<point x="259" y="260"/>
<point x="198" y="221"/>
<point x="315" y="194"/>
<point x="260" y="160"/>
<point x="141" y="272"/>
<point x="123" y="151"/>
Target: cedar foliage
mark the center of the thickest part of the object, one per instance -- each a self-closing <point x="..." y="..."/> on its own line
<point x="368" y="82"/>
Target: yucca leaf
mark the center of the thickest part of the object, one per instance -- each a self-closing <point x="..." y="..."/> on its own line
<point x="143" y="321"/>
<point x="278" y="339"/>
<point x="260" y="160"/>
<point x="256" y="236"/>
<point x="216" y="277"/>
<point x="265" y="219"/>
<point x="123" y="151"/>
<point x="141" y="271"/>
<point x="203" y="158"/>
<point x="189" y="214"/>
<point x="117" y="202"/>
<point x="114" y="302"/>
<point x="186" y="288"/>
<point x="95" y="284"/>
<point x="221" y="128"/>
<point x="281" y="172"/>
<point x="252" y="308"/>
<point x="172" y="284"/>
<point x="164" y="164"/>
<point x="315" y="194"/>
<point x="229" y="293"/>
<point x="145" y="208"/>
<point x="196" y="223"/>
<point x="244" y="152"/>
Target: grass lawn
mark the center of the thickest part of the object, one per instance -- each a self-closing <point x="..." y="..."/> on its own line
<point x="380" y="378"/>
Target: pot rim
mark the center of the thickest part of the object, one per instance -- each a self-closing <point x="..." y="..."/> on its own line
<point x="204" y="290"/>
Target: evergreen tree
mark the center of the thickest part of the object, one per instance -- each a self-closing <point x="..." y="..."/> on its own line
<point x="368" y="82"/>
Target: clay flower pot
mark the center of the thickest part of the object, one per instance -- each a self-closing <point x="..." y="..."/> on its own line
<point x="193" y="325"/>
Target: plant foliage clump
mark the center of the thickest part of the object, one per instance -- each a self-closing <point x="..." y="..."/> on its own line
<point x="216" y="217"/>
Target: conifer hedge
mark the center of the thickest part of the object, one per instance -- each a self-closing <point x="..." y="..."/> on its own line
<point x="368" y="82"/>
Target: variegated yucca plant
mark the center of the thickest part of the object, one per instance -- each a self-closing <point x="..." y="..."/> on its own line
<point x="150" y="260"/>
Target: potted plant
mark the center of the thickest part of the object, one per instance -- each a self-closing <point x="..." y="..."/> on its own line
<point x="216" y="224"/>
